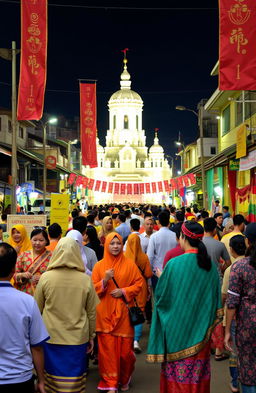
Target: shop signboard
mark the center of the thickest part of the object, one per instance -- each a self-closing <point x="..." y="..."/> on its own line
<point x="234" y="164"/>
<point x="29" y="221"/>
<point x="60" y="210"/>
<point x="198" y="180"/>
<point x="50" y="162"/>
<point x="248" y="162"/>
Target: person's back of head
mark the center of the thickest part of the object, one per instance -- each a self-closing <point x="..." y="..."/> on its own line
<point x="122" y="217"/>
<point x="135" y="224"/>
<point x="204" y="214"/>
<point x="80" y="224"/>
<point x="137" y="211"/>
<point x="173" y="210"/>
<point x="8" y="257"/>
<point x="216" y="215"/>
<point x="180" y="217"/>
<point x="237" y="243"/>
<point x="177" y="230"/>
<point x="225" y="208"/>
<point x="127" y="213"/>
<point x="210" y="225"/>
<point x="74" y="213"/>
<point x="163" y="219"/>
<point x="90" y="219"/>
<point x="54" y="231"/>
<point x="92" y="235"/>
<point x="195" y="210"/>
<point x="101" y="215"/>
<point x="4" y="217"/>
<point x="188" y="210"/>
<point x="238" y="220"/>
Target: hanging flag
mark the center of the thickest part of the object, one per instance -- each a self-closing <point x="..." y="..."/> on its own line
<point x="148" y="191"/>
<point x="33" y="60"/>
<point x="173" y="184"/>
<point x="110" y="187"/>
<point x="180" y="183"/>
<point x="136" y="188"/>
<point x="90" y="184"/>
<point x="142" y="188"/>
<point x="129" y="189"/>
<point x="166" y="186"/>
<point x="241" y="142"/>
<point x="192" y="178"/>
<point x="116" y="188"/>
<point x="237" y="60"/>
<point x="153" y="186"/>
<point x="160" y="186"/>
<point x="104" y="186"/>
<point x="85" y="182"/>
<point x="186" y="180"/>
<point x="252" y="204"/>
<point x="79" y="181"/>
<point x="97" y="185"/>
<point x="71" y="178"/>
<point x="88" y="124"/>
<point x="123" y="188"/>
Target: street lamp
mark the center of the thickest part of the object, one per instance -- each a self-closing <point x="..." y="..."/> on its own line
<point x="180" y="144"/>
<point x="52" y="120"/>
<point x="199" y="116"/>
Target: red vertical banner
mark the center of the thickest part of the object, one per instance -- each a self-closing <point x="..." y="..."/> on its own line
<point x="160" y="186"/>
<point x="88" y="126"/>
<point x="129" y="189"/>
<point x="153" y="186"/>
<point x="186" y="180"/>
<point x="237" y="60"/>
<point x="142" y="188"/>
<point x="136" y="188"/>
<point x="192" y="178"/>
<point x="147" y="185"/>
<point x="85" y="182"/>
<point x="90" y="184"/>
<point x="97" y="185"/>
<point x="180" y="182"/>
<point x="173" y="184"/>
<point x="166" y="186"/>
<point x="104" y="186"/>
<point x="34" y="32"/>
<point x="116" y="188"/>
<point x="71" y="178"/>
<point x="110" y="187"/>
<point x="79" y="181"/>
<point x="123" y="188"/>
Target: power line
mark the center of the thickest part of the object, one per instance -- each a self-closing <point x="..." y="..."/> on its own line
<point x="106" y="8"/>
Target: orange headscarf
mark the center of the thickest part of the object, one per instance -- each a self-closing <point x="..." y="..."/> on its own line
<point x="110" y="259"/>
<point x="25" y="243"/>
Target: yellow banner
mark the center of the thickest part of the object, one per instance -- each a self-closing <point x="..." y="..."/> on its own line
<point x="241" y="150"/>
<point x="60" y="210"/>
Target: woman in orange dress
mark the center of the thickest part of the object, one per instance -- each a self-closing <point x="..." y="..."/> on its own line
<point x="114" y="330"/>
<point x="135" y="253"/>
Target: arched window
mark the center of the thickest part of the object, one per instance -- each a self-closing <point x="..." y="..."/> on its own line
<point x="126" y="122"/>
<point x="137" y="122"/>
<point x="114" y="122"/>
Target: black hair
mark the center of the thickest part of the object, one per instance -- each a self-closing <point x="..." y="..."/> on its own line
<point x="203" y="259"/>
<point x="8" y="259"/>
<point x="90" y="218"/>
<point x="31" y="213"/>
<point x="114" y="215"/>
<point x="4" y="217"/>
<point x="80" y="224"/>
<point x="204" y="214"/>
<point x="135" y="224"/>
<point x="122" y="217"/>
<point x="180" y="216"/>
<point x="54" y="231"/>
<point x="216" y="215"/>
<point x="195" y="209"/>
<point x="173" y="209"/>
<point x="217" y="201"/>
<point x="74" y="213"/>
<point x="188" y="210"/>
<point x="164" y="219"/>
<point x="250" y="233"/>
<point x="1" y="228"/>
<point x="226" y="208"/>
<point x="210" y="224"/>
<point x="177" y="230"/>
<point x="237" y="243"/>
<point x="39" y="231"/>
<point x="101" y="215"/>
<point x="238" y="219"/>
<point x="127" y="213"/>
<point x="92" y="235"/>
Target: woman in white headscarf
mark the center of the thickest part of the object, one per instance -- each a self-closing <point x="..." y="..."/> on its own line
<point x="88" y="255"/>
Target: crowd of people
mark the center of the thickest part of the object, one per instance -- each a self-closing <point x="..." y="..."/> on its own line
<point x="69" y="299"/>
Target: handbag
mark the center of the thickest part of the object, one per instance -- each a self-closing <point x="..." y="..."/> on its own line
<point x="135" y="313"/>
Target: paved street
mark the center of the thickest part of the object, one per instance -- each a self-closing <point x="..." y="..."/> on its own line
<point x="146" y="376"/>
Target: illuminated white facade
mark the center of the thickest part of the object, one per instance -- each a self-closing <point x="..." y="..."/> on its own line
<point x="126" y="157"/>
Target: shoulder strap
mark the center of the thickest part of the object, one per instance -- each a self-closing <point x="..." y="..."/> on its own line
<point x="35" y="266"/>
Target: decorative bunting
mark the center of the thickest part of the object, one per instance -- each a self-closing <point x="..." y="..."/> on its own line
<point x="180" y="183"/>
<point x="186" y="180"/>
<point x="97" y="185"/>
<point x="192" y="178"/>
<point x="71" y="178"/>
<point x="136" y="188"/>
<point x="33" y="59"/>
<point x="79" y="181"/>
<point x="147" y="188"/>
<point x="116" y="188"/>
<point x="123" y="188"/>
<point x="85" y="182"/>
<point x="173" y="184"/>
<point x="166" y="186"/>
<point x="153" y="186"/>
<point x="129" y="189"/>
<point x="160" y="186"/>
<point x="110" y="187"/>
<point x="90" y="184"/>
<point x="88" y="124"/>
<point x="142" y="188"/>
<point x="104" y="186"/>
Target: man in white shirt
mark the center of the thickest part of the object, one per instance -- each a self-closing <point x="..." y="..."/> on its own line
<point x="149" y="230"/>
<point x="137" y="215"/>
<point x="159" y="243"/>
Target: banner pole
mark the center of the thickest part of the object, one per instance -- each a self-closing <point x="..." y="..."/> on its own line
<point x="14" y="131"/>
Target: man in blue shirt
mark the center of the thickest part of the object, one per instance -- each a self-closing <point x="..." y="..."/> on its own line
<point x="123" y="229"/>
<point x="22" y="333"/>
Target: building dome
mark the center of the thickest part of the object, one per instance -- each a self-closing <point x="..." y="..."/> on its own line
<point x="156" y="148"/>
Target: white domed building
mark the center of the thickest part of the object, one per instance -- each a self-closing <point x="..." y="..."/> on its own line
<point x="126" y="158"/>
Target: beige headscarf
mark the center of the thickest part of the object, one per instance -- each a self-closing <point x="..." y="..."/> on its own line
<point x="67" y="254"/>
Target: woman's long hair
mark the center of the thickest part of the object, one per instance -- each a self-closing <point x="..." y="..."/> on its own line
<point x="250" y="233"/>
<point x="203" y="259"/>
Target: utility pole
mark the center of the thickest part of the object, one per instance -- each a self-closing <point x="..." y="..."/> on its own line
<point x="14" y="131"/>
<point x="201" y="132"/>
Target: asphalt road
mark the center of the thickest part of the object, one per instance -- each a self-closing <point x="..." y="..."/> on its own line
<point x="146" y="376"/>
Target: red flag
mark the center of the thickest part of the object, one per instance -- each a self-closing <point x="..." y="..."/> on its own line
<point x="85" y="182"/>
<point x="148" y="191"/>
<point x="153" y="185"/>
<point x="79" y="181"/>
<point x="97" y="185"/>
<point x="136" y="188"/>
<point x="88" y="124"/>
<point x="104" y="186"/>
<point x="237" y="68"/>
<point x="142" y="188"/>
<point x="173" y="184"/>
<point x="90" y="184"/>
<point x="192" y="178"/>
<point x="180" y="182"/>
<point x="186" y="181"/>
<point x="34" y="31"/>
<point x="123" y="188"/>
<point x="166" y="186"/>
<point x="71" y="178"/>
<point x="116" y="188"/>
<point x="129" y="189"/>
<point x="160" y="186"/>
<point x="110" y="187"/>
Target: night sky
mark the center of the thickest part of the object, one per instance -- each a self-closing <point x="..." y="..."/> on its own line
<point x="171" y="54"/>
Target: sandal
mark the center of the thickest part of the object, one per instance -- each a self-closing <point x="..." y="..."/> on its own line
<point x="223" y="356"/>
<point x="125" y="388"/>
<point x="233" y="389"/>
